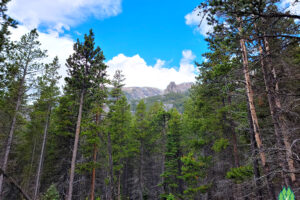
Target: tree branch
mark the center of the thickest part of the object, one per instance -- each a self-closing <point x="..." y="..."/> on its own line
<point x="14" y="182"/>
<point x="265" y="15"/>
<point x="272" y="15"/>
<point x="275" y="36"/>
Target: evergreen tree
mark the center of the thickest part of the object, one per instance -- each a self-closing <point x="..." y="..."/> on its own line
<point x="35" y="137"/>
<point x="86" y="71"/>
<point x="48" y="96"/>
<point x="5" y="46"/>
<point x="117" y="128"/>
<point x="25" y="63"/>
<point x="173" y="183"/>
<point x="140" y="132"/>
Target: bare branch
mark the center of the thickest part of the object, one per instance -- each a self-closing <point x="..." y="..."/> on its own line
<point x="14" y="182"/>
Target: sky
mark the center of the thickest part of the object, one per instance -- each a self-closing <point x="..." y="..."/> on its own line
<point x="153" y="42"/>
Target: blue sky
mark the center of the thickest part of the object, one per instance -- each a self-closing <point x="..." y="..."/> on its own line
<point x="152" y="41"/>
<point x="151" y="28"/>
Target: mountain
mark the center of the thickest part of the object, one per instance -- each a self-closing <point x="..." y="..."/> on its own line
<point x="133" y="93"/>
<point x="173" y="96"/>
<point x="169" y="100"/>
<point x="183" y="87"/>
<point x="137" y="93"/>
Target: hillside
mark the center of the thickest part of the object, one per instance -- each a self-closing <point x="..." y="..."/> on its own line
<point x="169" y="100"/>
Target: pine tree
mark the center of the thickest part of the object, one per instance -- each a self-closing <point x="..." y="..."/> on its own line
<point x="34" y="137"/>
<point x="49" y="91"/>
<point x="86" y="71"/>
<point x="25" y="61"/>
<point x="5" y="46"/>
<point x="117" y="128"/>
<point x="172" y="174"/>
<point x="157" y="118"/>
<point x="140" y="131"/>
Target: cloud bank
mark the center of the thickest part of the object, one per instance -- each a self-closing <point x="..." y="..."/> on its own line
<point x="58" y="14"/>
<point x="138" y="73"/>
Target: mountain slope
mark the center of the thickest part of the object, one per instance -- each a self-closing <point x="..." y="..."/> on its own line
<point x="137" y="93"/>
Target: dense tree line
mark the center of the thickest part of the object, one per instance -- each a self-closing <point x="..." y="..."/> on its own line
<point x="236" y="138"/>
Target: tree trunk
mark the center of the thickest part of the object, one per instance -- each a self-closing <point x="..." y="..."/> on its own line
<point x="94" y="163"/>
<point x="119" y="186"/>
<point x="165" y="125"/>
<point x="235" y="149"/>
<point x="94" y="173"/>
<point x="12" y="127"/>
<point x="250" y="98"/>
<point x="72" y="173"/>
<point x="180" y="180"/>
<point x="26" y="186"/>
<point x="258" y="190"/>
<point x="141" y="178"/>
<point x="275" y="119"/>
<point x="272" y="88"/>
<point x="111" y="169"/>
<point x="38" y="174"/>
<point x="234" y="138"/>
<point x="234" y="143"/>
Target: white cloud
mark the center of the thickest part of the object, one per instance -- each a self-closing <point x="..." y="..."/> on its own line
<point x="138" y="73"/>
<point x="58" y="14"/>
<point x="193" y="19"/>
<point x="135" y="69"/>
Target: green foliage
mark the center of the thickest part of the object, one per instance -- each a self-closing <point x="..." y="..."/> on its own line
<point x="86" y="66"/>
<point x="240" y="174"/>
<point x="117" y="129"/>
<point x="220" y="144"/>
<point x="193" y="191"/>
<point x="177" y="100"/>
<point x="172" y="175"/>
<point x="195" y="148"/>
<point x="51" y="194"/>
<point x="193" y="170"/>
<point x="47" y="95"/>
<point x="221" y="69"/>
<point x="171" y="197"/>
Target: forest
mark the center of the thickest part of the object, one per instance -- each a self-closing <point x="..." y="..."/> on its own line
<point x="237" y="137"/>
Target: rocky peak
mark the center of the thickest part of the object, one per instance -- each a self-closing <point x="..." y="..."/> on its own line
<point x="173" y="88"/>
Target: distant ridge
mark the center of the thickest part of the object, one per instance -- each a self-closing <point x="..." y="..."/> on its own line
<point x="133" y="93"/>
<point x="136" y="93"/>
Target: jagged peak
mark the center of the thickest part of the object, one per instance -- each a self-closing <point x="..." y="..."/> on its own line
<point x="174" y="88"/>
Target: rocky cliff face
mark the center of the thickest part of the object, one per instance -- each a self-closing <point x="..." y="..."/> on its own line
<point x="180" y="88"/>
<point x="135" y="93"/>
<point x="141" y="92"/>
